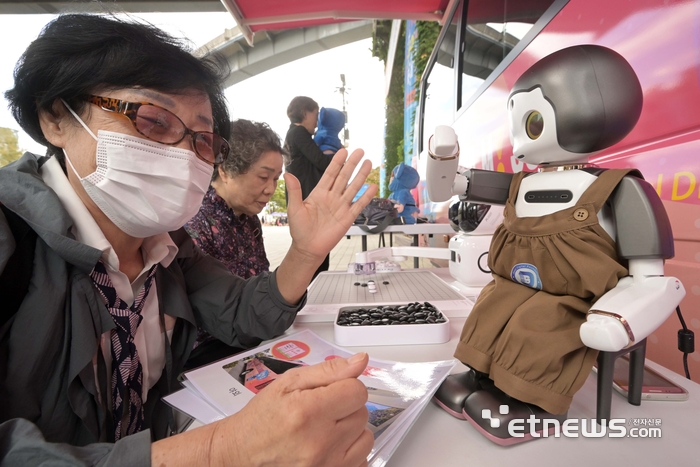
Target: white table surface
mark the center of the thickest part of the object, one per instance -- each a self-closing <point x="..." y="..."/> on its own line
<point x="440" y="440"/>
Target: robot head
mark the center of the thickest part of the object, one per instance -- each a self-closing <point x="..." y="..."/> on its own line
<point x="572" y="104"/>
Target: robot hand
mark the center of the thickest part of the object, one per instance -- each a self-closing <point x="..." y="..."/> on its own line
<point x="445" y="178"/>
<point x="631" y="311"/>
<point x="442" y="173"/>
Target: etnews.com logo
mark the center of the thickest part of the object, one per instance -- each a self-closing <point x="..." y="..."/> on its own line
<point x="573" y="428"/>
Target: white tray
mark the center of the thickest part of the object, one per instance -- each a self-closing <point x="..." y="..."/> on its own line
<point x="397" y="334"/>
<point x="334" y="289"/>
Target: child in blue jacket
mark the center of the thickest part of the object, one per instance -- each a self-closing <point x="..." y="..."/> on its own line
<point x="330" y="122"/>
<point x="403" y="179"/>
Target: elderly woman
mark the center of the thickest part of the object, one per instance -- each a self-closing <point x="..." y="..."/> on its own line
<point x="134" y="124"/>
<point x="227" y="226"/>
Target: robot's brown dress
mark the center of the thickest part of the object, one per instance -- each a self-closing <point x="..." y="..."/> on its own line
<point x="526" y="337"/>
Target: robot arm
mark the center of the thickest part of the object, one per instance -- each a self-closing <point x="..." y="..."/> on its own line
<point x="642" y="301"/>
<point x="444" y="178"/>
<point x="631" y="311"/>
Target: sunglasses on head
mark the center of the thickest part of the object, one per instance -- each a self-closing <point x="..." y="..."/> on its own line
<point x="163" y="126"/>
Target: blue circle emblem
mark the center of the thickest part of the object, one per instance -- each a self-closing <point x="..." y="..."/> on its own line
<point x="527" y="275"/>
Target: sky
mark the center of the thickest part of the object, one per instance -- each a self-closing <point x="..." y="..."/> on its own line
<point x="263" y="97"/>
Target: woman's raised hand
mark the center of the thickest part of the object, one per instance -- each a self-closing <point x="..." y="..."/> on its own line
<point x="318" y="223"/>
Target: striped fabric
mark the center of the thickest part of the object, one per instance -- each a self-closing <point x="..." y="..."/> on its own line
<point x="127" y="373"/>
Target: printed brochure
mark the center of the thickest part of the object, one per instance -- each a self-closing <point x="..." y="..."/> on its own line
<point x="398" y="392"/>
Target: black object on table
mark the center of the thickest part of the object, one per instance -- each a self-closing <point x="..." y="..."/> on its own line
<point x="606" y="370"/>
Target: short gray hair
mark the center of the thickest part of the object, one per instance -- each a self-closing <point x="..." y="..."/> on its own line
<point x="249" y="140"/>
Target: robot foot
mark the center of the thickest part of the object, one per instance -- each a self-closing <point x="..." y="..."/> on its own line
<point x="452" y="393"/>
<point x="491" y="411"/>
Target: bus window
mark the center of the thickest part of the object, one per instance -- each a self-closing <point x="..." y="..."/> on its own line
<point x="439" y="82"/>
<point x="491" y="30"/>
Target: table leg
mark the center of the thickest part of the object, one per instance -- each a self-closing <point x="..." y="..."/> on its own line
<point x="416" y="260"/>
<point x="364" y="243"/>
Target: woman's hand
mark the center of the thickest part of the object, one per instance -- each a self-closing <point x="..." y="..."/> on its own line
<point x="320" y="221"/>
<point x="311" y="416"/>
<point x="317" y="223"/>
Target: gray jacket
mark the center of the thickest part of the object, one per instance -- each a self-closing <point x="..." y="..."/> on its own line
<point x="47" y="349"/>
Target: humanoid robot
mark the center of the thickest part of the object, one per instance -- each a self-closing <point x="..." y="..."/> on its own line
<point x="578" y="263"/>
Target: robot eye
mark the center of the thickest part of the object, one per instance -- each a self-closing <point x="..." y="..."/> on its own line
<point x="534" y="125"/>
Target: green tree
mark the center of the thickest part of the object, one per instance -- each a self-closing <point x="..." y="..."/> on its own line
<point x="9" y="147"/>
<point x="428" y="32"/>
<point x="278" y="202"/>
<point x="373" y="178"/>
<point x="380" y="39"/>
<point x="393" y="140"/>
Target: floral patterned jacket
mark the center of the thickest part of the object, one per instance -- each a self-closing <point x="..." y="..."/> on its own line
<point x="234" y="240"/>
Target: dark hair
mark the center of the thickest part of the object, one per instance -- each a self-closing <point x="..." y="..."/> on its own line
<point x="299" y="106"/>
<point x="249" y="140"/>
<point x="76" y="54"/>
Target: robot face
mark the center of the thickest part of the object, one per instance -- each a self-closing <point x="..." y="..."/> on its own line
<point x="533" y="131"/>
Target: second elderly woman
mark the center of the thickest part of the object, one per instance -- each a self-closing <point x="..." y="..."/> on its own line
<point x="227" y="226"/>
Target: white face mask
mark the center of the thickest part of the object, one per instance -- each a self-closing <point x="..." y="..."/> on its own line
<point x="144" y="187"/>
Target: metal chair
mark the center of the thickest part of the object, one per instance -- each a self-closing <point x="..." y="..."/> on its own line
<point x="606" y="369"/>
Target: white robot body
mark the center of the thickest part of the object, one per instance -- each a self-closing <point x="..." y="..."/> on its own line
<point x="470" y="250"/>
<point x="575" y="181"/>
<point x="469" y="260"/>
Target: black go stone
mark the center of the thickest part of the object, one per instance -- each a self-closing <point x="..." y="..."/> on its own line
<point x="410" y="313"/>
